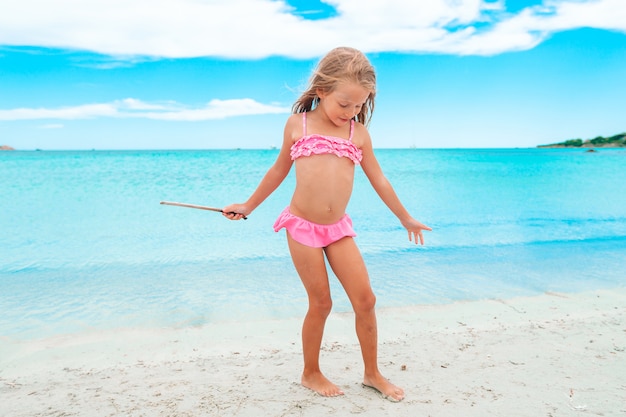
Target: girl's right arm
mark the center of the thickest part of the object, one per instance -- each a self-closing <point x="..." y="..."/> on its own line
<point x="272" y="179"/>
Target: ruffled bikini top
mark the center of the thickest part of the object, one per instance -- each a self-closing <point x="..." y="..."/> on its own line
<point x="316" y="144"/>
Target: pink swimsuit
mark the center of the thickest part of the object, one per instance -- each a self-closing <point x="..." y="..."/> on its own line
<point x="301" y="230"/>
<point x="316" y="144"/>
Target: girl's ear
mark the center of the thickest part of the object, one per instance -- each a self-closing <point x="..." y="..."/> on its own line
<point x="320" y="93"/>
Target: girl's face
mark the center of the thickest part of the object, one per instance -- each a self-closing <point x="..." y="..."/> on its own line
<point x="344" y="102"/>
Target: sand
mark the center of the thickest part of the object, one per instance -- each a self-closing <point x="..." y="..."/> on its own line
<point x="550" y="355"/>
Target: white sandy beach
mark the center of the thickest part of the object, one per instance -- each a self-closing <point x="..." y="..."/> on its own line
<point x="551" y="355"/>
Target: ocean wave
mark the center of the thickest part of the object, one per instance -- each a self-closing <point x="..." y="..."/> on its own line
<point x="616" y="241"/>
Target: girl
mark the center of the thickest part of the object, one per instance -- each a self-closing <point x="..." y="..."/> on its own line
<point x="326" y="137"/>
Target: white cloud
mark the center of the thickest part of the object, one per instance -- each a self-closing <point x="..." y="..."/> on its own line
<point x="260" y="28"/>
<point x="84" y="111"/>
<point x="133" y="108"/>
<point x="532" y="25"/>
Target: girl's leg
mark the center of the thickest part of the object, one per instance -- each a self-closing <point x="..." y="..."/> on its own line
<point x="347" y="263"/>
<point x="311" y="267"/>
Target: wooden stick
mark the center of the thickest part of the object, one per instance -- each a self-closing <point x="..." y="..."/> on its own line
<point x="173" y="203"/>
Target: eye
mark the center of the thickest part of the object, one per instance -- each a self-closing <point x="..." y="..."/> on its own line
<point x="342" y="105"/>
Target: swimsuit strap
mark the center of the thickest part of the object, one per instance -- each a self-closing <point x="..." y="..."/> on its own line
<point x="351" y="129"/>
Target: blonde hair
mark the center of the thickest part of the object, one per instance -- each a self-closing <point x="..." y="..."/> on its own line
<point x="342" y="64"/>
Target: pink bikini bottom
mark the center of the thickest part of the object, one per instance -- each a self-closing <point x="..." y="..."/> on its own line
<point x="313" y="234"/>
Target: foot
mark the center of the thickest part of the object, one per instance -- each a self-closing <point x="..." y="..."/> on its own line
<point x="385" y="388"/>
<point x="320" y="384"/>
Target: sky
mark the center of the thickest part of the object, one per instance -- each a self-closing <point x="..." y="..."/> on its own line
<point x="223" y="74"/>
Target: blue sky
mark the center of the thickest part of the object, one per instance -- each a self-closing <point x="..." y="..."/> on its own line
<point x="207" y="74"/>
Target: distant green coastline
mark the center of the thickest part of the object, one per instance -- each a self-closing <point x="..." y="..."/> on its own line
<point x="616" y="141"/>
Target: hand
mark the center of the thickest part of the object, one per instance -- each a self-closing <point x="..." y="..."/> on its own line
<point x="415" y="230"/>
<point x="235" y="212"/>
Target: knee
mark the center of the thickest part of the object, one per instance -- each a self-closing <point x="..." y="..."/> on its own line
<point x="365" y="303"/>
<point x="321" y="306"/>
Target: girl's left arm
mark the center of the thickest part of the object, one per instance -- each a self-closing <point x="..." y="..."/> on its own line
<point x="387" y="194"/>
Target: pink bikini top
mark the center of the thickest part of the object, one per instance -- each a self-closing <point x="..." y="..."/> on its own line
<point x="316" y="144"/>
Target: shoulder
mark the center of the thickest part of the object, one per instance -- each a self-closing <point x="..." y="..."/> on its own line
<point x="294" y="121"/>
<point x="361" y="136"/>
<point x="295" y="118"/>
<point x="293" y="127"/>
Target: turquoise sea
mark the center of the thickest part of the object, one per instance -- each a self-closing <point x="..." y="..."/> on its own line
<point x="86" y="246"/>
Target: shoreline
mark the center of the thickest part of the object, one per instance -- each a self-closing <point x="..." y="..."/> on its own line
<point x="551" y="354"/>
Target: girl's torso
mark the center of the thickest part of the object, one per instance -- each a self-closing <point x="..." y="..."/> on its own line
<point x="324" y="174"/>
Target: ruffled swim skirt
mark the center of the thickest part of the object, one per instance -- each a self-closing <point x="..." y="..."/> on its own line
<point x="313" y="234"/>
